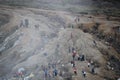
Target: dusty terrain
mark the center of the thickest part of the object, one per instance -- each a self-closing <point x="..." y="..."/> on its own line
<point x="49" y="38"/>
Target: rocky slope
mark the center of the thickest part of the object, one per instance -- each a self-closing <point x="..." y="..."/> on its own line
<point x="31" y="38"/>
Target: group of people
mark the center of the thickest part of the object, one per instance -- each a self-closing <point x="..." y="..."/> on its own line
<point x="77" y="19"/>
<point x="24" y="23"/>
<point x="91" y="66"/>
<point x="20" y="73"/>
<point x="79" y="58"/>
<point x="90" y="63"/>
<point x="50" y="71"/>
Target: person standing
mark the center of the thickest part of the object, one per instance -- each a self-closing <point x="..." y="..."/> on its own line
<point x="74" y="54"/>
<point x="26" y="22"/>
<point x="93" y="70"/>
<point x="75" y="70"/>
<point x="46" y="73"/>
<point x="21" y="23"/>
<point x="94" y="42"/>
<point x="55" y="72"/>
<point x="88" y="64"/>
<point x="73" y="63"/>
<point x="84" y="73"/>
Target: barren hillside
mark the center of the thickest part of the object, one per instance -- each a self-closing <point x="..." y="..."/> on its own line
<point x="39" y="40"/>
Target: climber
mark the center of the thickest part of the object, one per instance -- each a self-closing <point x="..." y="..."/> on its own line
<point x="71" y="35"/>
<point x="75" y="70"/>
<point x="73" y="49"/>
<point x="21" y="24"/>
<point x="53" y="65"/>
<point x="55" y="72"/>
<point x="82" y="57"/>
<point x="78" y="19"/>
<point x="93" y="70"/>
<point x="50" y="73"/>
<point x="83" y="73"/>
<point x="78" y="56"/>
<point x="73" y="63"/>
<point x="89" y="64"/>
<point x="69" y="49"/>
<point x="21" y="71"/>
<point x="49" y="66"/>
<point x="74" y="54"/>
<point x="46" y="73"/>
<point x="26" y="22"/>
<point x="75" y="20"/>
<point x="94" y="42"/>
